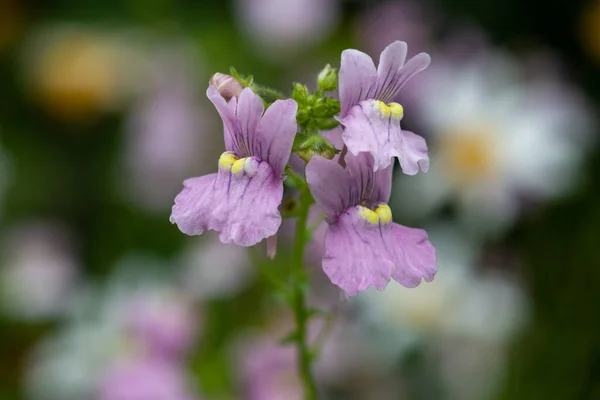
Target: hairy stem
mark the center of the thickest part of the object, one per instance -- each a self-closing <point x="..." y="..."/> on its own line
<point x="299" y="301"/>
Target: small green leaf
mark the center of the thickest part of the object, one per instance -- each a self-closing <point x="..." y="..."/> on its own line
<point x="290" y="338"/>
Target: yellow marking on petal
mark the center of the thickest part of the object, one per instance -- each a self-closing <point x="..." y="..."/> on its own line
<point x="396" y="110"/>
<point x="369" y="215"/>
<point x="238" y="166"/>
<point x="383" y="108"/>
<point x="227" y="160"/>
<point x="384" y="213"/>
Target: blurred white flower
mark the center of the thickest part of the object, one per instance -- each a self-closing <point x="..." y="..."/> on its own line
<point x="480" y="310"/>
<point x="285" y="26"/>
<point x="211" y="269"/>
<point x="39" y="271"/>
<point x="495" y="139"/>
<point x="120" y="321"/>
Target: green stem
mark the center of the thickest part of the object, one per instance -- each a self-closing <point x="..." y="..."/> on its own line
<point x="299" y="302"/>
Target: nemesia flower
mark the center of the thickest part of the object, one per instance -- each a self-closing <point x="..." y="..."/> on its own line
<point x="484" y="119"/>
<point x="143" y="379"/>
<point x="363" y="246"/>
<point x="370" y="118"/>
<point x="241" y="200"/>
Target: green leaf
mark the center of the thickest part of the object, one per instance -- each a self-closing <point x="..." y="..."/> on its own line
<point x="290" y="338"/>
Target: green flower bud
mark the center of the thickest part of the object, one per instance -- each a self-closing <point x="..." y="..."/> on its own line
<point x="325" y="124"/>
<point x="302" y="117"/>
<point x="333" y="106"/>
<point x="320" y="109"/>
<point x="316" y="145"/>
<point x="328" y="79"/>
<point x="300" y="93"/>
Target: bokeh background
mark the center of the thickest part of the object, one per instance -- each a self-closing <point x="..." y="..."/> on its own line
<point x="103" y="114"/>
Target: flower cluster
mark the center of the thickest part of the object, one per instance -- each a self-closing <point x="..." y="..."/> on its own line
<point x="363" y="246"/>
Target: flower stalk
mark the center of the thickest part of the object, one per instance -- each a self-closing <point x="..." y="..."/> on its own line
<point x="300" y="283"/>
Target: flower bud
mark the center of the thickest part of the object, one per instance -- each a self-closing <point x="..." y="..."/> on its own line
<point x="327" y="79"/>
<point x="320" y="109"/>
<point x="228" y="86"/>
<point x="325" y="124"/>
<point x="316" y="145"/>
<point x="300" y="93"/>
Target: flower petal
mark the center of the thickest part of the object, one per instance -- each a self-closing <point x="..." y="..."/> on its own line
<point x="331" y="186"/>
<point x="355" y="255"/>
<point x="227" y="113"/>
<point x="243" y="209"/>
<point x="414" y="256"/>
<point x="373" y="186"/>
<point x="275" y="135"/>
<point x="413" y="154"/>
<point x="357" y="76"/>
<point x="249" y="111"/>
<point x="391" y="60"/>
<point x="191" y="211"/>
<point x="387" y="89"/>
<point x="368" y="130"/>
<point x="359" y="254"/>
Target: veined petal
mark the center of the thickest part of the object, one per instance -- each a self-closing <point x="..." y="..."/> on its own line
<point x="373" y="186"/>
<point x="360" y="254"/>
<point x="370" y="127"/>
<point x="242" y="208"/>
<point x="275" y="135"/>
<point x="249" y="111"/>
<point x="388" y="88"/>
<point x="355" y="254"/>
<point x="414" y="256"/>
<point x="356" y="78"/>
<point x="192" y="208"/>
<point x="227" y="113"/>
<point x="331" y="186"/>
<point x="367" y="129"/>
<point x="391" y="60"/>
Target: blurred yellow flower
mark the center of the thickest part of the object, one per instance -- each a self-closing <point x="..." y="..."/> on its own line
<point x="590" y="29"/>
<point x="77" y="74"/>
<point x="467" y="154"/>
<point x="11" y="22"/>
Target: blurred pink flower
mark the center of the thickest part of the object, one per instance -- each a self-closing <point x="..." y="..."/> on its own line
<point x="211" y="269"/>
<point x="269" y="372"/>
<point x="407" y="20"/>
<point x="164" y="323"/>
<point x="287" y="26"/>
<point x="144" y="379"/>
<point x="165" y="133"/>
<point x="39" y="270"/>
